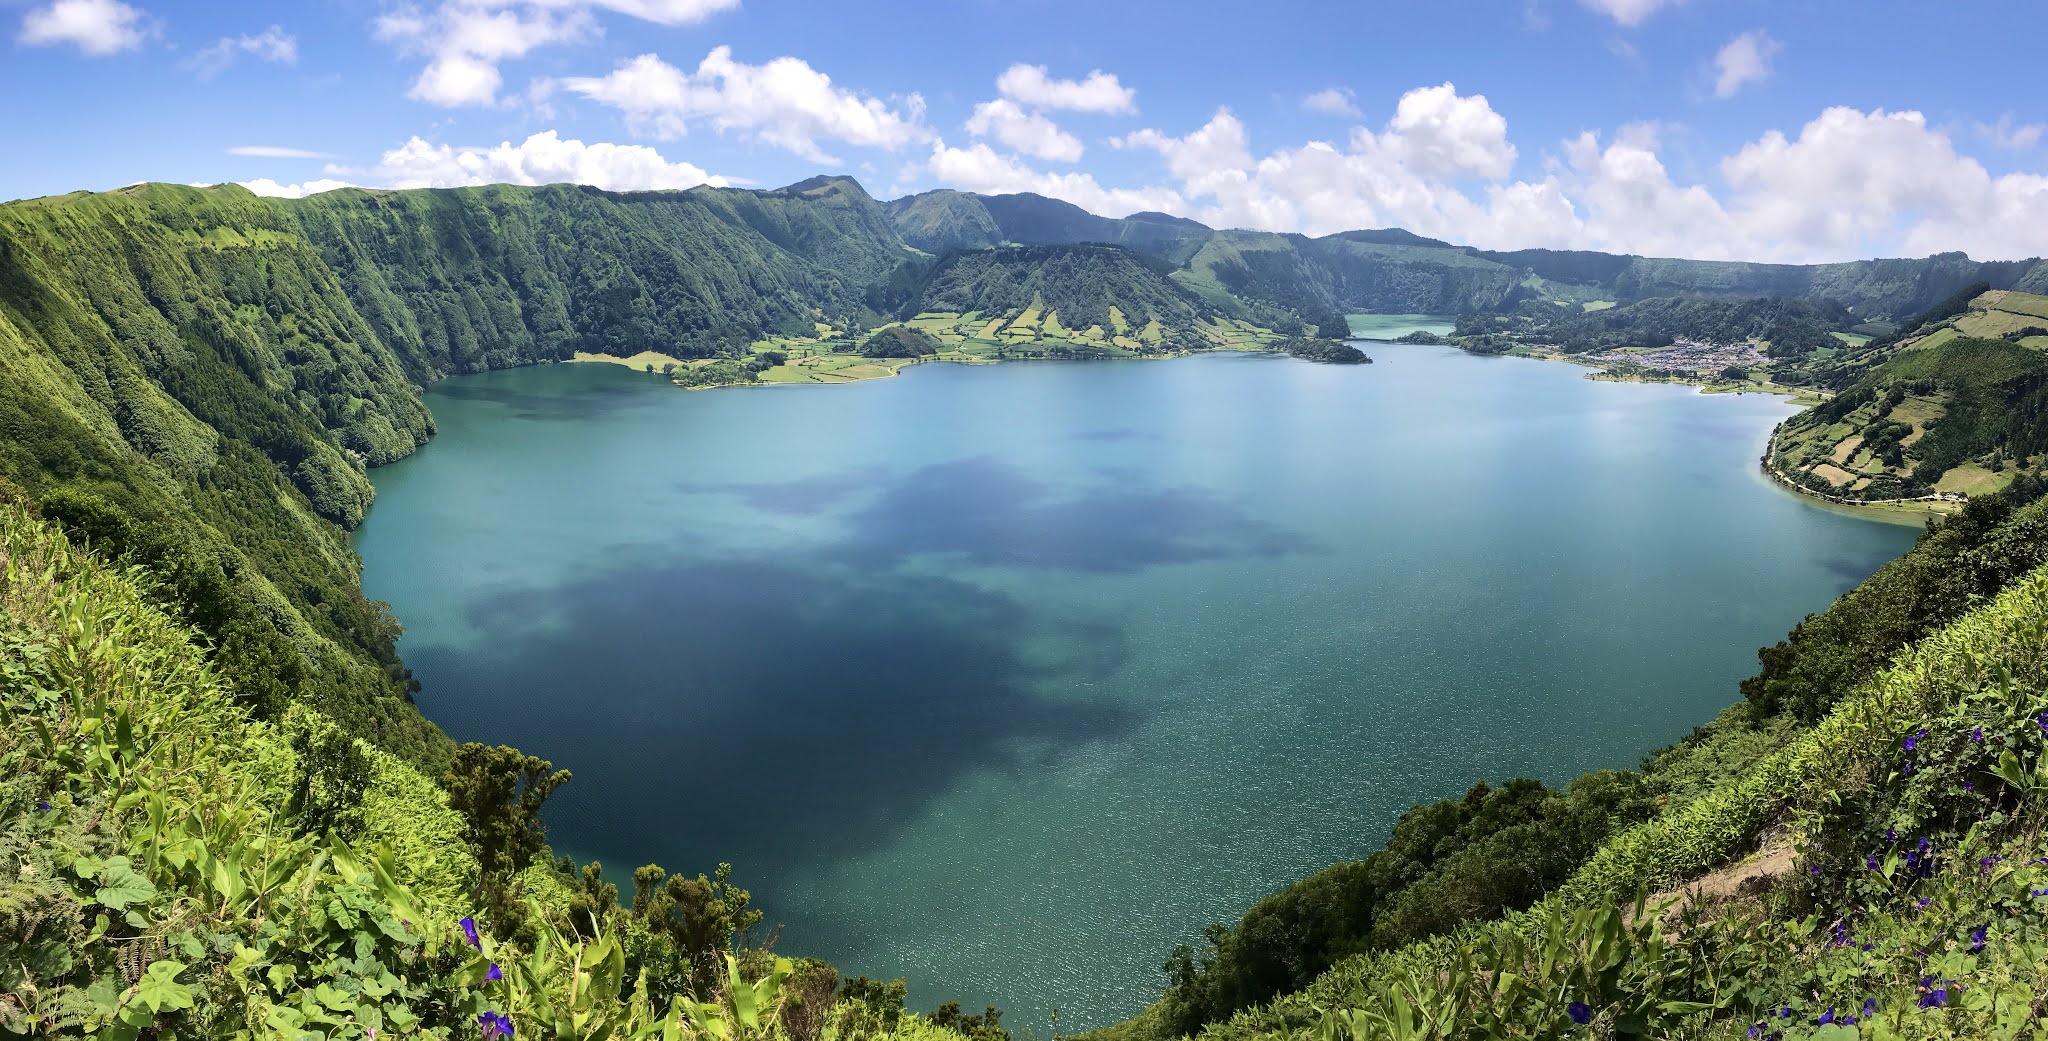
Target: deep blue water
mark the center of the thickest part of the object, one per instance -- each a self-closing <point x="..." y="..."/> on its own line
<point x="1009" y="678"/>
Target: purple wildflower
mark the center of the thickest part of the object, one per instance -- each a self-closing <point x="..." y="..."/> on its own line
<point x="1977" y="735"/>
<point x="1869" y="1007"/>
<point x="1580" y="1012"/>
<point x="494" y="974"/>
<point x="1870" y="862"/>
<point x="1870" y="947"/>
<point x="1969" y="786"/>
<point x="1891" y="837"/>
<point x="1827" y="1017"/>
<point x="44" y="805"/>
<point x="469" y="930"/>
<point x="1932" y="996"/>
<point x="487" y="1025"/>
<point x="1925" y="900"/>
<point x="1909" y="768"/>
<point x="1785" y="1013"/>
<point x="1977" y="938"/>
<point x="1755" y="1029"/>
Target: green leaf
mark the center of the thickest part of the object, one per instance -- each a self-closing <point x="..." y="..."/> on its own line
<point x="121" y="886"/>
<point x="160" y="990"/>
<point x="339" y="1001"/>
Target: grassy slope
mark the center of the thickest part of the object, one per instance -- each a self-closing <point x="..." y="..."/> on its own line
<point x="154" y="880"/>
<point x="200" y="376"/>
<point x="1828" y="794"/>
<point x="1961" y="407"/>
<point x="1448" y="874"/>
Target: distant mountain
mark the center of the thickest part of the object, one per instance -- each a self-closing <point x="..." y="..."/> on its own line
<point x="1396" y="271"/>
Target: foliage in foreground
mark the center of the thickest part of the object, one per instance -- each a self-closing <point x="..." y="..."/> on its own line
<point x="1918" y="906"/>
<point x="169" y="867"/>
<point x="1501" y="849"/>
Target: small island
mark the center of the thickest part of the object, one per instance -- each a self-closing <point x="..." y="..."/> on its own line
<point x="1326" y="351"/>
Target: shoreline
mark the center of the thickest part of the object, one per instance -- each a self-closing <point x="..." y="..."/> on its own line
<point x="895" y="366"/>
<point x="1916" y="511"/>
<point x="1890" y="511"/>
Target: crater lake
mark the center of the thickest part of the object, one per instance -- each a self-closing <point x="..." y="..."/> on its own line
<point x="1007" y="679"/>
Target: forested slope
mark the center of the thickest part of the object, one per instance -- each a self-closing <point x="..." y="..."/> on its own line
<point x="1394" y="271"/>
<point x="1522" y="878"/>
<point x="172" y="867"/>
<point x="200" y="377"/>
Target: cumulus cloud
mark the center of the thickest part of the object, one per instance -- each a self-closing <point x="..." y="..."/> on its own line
<point x="784" y="102"/>
<point x="97" y="27"/>
<point x="1099" y="91"/>
<point x="1743" y="60"/>
<point x="1334" y="101"/>
<point x="272" y="45"/>
<point x="277" y="152"/>
<point x="544" y="158"/>
<point x="465" y="41"/>
<point x="266" y="186"/>
<point x="1030" y="133"/>
<point x="1629" y="12"/>
<point x="979" y="168"/>
<point x="1847" y="184"/>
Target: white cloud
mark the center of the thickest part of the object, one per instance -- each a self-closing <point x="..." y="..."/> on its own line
<point x="272" y="45"/>
<point x="277" y="152"/>
<point x="785" y="103"/>
<point x="1099" y="91"/>
<point x="1335" y="101"/>
<point x="465" y="41"/>
<point x="544" y="158"/>
<point x="1028" y="132"/>
<point x="1629" y="12"/>
<point x="97" y="27"/>
<point x="2010" y="135"/>
<point x="266" y="186"/>
<point x="979" y="168"/>
<point x="1849" y="184"/>
<point x="1745" y="59"/>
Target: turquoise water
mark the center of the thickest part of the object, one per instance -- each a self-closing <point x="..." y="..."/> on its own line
<point x="1006" y="679"/>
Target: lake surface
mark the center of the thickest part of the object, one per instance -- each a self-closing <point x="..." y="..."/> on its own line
<point x="1007" y="679"/>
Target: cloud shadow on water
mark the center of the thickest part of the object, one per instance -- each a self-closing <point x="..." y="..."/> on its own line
<point x="991" y="513"/>
<point x="764" y="712"/>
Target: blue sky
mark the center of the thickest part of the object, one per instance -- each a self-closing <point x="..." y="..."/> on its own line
<point x="1796" y="130"/>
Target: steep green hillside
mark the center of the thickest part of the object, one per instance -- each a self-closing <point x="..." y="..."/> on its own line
<point x="1953" y="404"/>
<point x="199" y="377"/>
<point x="468" y="279"/>
<point x="942" y="220"/>
<point x="183" y="379"/>
<point x="170" y="867"/>
<point x="1794" y="774"/>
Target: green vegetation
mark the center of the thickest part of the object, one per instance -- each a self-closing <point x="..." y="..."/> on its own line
<point x="1261" y="276"/>
<point x="223" y="816"/>
<point x="176" y="868"/>
<point x="1329" y="352"/>
<point x="1499" y="851"/>
<point x="1785" y="328"/>
<point x="899" y="341"/>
